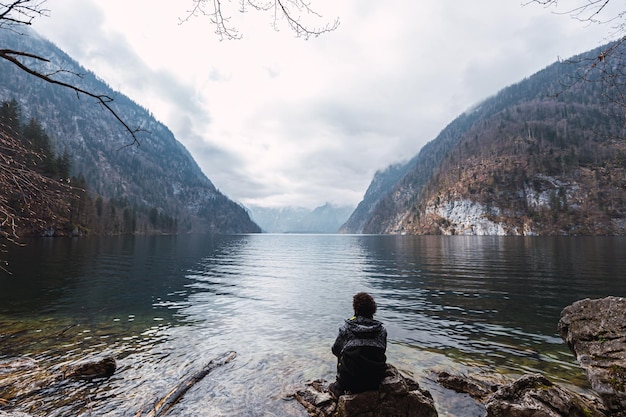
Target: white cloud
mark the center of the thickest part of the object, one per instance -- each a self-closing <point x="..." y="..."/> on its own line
<point x="274" y="120"/>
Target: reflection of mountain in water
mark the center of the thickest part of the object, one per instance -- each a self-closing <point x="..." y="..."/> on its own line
<point x="101" y="279"/>
<point x="459" y="295"/>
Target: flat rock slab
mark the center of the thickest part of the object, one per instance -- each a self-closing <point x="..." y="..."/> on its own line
<point x="595" y="331"/>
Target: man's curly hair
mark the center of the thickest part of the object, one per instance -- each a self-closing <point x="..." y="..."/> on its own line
<point x="364" y="305"/>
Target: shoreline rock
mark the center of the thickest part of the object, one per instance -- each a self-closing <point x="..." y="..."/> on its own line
<point x="595" y="331"/>
<point x="397" y="396"/>
<point x="535" y="396"/>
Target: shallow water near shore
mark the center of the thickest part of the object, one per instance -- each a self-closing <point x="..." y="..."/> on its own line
<point x="164" y="306"/>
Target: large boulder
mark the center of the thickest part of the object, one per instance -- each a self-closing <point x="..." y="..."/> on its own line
<point x="535" y="396"/>
<point x="595" y="331"/>
<point x="397" y="396"/>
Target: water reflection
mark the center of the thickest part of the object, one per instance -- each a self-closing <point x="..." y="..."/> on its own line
<point x="92" y="278"/>
<point x="491" y="297"/>
<point x="165" y="306"/>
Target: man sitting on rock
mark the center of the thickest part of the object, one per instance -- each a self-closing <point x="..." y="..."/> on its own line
<point x="360" y="350"/>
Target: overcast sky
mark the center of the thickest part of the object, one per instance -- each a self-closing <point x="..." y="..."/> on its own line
<point x="274" y="120"/>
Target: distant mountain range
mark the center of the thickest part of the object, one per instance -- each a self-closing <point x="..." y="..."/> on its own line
<point x="158" y="177"/>
<point x="324" y="219"/>
<point x="546" y="156"/>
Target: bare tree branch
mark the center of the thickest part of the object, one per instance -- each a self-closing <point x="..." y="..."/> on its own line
<point x="12" y="56"/>
<point x="594" y="12"/>
<point x="608" y="68"/>
<point x="21" y="12"/>
<point x="590" y="11"/>
<point x="28" y="198"/>
<point x="293" y="12"/>
<point x="285" y="6"/>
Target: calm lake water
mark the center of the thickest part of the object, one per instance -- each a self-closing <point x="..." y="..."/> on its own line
<point x="165" y="306"/>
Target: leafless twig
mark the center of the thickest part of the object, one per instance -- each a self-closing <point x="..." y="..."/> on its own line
<point x="28" y="197"/>
<point x="21" y="12"/>
<point x="292" y="12"/>
<point x="105" y="100"/>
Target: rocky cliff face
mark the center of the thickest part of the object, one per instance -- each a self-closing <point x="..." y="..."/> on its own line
<point x="159" y="175"/>
<point x="543" y="157"/>
<point x="530" y="177"/>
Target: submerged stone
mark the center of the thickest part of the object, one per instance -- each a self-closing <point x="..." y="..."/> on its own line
<point x="91" y="369"/>
<point x="12" y="365"/>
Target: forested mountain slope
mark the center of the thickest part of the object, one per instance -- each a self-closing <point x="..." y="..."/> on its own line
<point x="158" y="178"/>
<point x="545" y="156"/>
<point x="379" y="187"/>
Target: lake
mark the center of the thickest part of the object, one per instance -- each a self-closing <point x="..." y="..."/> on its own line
<point x="164" y="306"/>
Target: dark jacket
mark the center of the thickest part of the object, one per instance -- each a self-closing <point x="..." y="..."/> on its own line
<point x="360" y="348"/>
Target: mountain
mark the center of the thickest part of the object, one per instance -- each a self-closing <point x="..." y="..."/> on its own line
<point x="379" y="187"/>
<point x="158" y="178"/>
<point x="324" y="219"/>
<point x="545" y="156"/>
